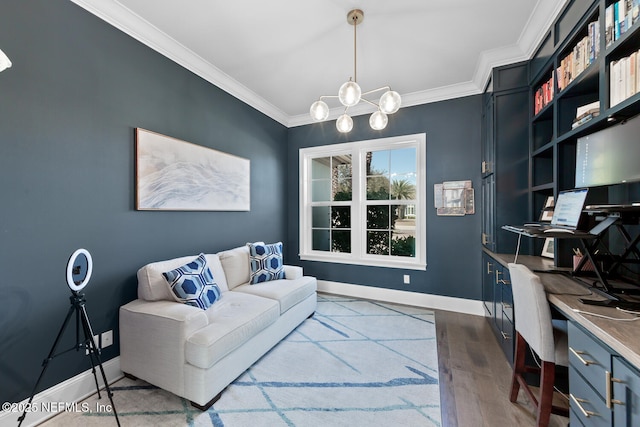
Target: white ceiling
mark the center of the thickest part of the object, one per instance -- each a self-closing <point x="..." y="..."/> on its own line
<point x="279" y="56"/>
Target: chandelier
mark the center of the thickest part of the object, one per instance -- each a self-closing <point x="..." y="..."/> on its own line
<point x="350" y="94"/>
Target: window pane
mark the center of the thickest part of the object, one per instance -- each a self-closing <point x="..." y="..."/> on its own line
<point x="320" y="168"/>
<point x="377" y="188"/>
<point x="341" y="217"/>
<point x="320" y="240"/>
<point x="403" y="187"/>
<point x="341" y="241"/>
<point x="403" y="243"/>
<point x="377" y="217"/>
<point x="341" y="178"/>
<point x="377" y="162"/>
<point x="378" y="242"/>
<point x="403" y="234"/>
<point x="403" y="161"/>
<point x="320" y="190"/>
<point x="320" y="217"/>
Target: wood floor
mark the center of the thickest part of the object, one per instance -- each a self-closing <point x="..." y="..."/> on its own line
<point x="475" y="377"/>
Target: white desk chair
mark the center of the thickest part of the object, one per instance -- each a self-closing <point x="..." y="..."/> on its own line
<point x="546" y="337"/>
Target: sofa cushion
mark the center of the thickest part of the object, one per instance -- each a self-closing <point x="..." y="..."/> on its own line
<point x="236" y="318"/>
<point x="152" y="285"/>
<point x="235" y="263"/>
<point x="287" y="292"/>
<point x="265" y="262"/>
<point x="193" y="283"/>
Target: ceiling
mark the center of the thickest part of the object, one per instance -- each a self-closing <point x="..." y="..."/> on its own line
<point x="280" y="56"/>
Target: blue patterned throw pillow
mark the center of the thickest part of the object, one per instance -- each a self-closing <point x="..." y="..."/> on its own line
<point x="266" y="262"/>
<point x="193" y="284"/>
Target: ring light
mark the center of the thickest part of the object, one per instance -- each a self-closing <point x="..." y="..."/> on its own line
<point x="79" y="270"/>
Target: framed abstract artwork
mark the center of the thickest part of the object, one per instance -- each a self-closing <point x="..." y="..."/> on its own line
<point x="176" y="175"/>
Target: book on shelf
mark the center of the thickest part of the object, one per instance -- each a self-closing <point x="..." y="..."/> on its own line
<point x="583" y="54"/>
<point x="585" y="113"/>
<point x="624" y="78"/>
<point x="579" y="121"/>
<point x="619" y="18"/>
<point x="544" y="95"/>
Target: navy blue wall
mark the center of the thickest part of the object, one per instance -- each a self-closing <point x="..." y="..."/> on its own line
<point x="68" y="108"/>
<point x="453" y="153"/>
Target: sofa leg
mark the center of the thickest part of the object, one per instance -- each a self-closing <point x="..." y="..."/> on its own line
<point x="207" y="405"/>
<point x="311" y="315"/>
<point x="131" y="377"/>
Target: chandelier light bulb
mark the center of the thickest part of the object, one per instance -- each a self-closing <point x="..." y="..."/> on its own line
<point x="378" y="120"/>
<point x="319" y="111"/>
<point x="390" y="102"/>
<point x="344" y="123"/>
<point x="349" y="94"/>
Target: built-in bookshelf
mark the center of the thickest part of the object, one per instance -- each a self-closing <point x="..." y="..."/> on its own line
<point x="584" y="77"/>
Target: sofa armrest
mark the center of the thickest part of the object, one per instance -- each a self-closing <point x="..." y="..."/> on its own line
<point x="153" y="335"/>
<point x="292" y="272"/>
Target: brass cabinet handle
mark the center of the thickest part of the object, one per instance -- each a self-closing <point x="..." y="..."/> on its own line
<point x="488" y="266"/>
<point x="504" y="282"/>
<point x="507" y="305"/>
<point x="609" y="380"/>
<point x="505" y="336"/>
<point x="578" y="402"/>
<point x="579" y="354"/>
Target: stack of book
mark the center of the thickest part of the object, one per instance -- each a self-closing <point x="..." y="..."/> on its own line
<point x="586" y="113"/>
<point x="544" y="95"/>
<point x="619" y="17"/>
<point x="624" y="78"/>
<point x="583" y="54"/>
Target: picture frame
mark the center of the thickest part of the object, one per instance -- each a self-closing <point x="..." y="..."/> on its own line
<point x="176" y="175"/>
<point x="548" y="249"/>
<point x="547" y="211"/>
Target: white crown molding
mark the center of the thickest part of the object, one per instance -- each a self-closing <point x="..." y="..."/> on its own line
<point x="132" y="24"/>
<point x="114" y="13"/>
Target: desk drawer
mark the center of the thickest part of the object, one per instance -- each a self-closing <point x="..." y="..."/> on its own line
<point x="586" y="405"/>
<point x="589" y="358"/>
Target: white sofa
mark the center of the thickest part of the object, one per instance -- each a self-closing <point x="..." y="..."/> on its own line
<point x="197" y="353"/>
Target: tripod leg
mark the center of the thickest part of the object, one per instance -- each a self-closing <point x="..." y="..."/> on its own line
<point x="46" y="361"/>
<point x="91" y="347"/>
<point x="87" y="328"/>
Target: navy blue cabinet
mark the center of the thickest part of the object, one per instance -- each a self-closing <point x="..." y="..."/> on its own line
<point x="498" y="303"/>
<point x="604" y="388"/>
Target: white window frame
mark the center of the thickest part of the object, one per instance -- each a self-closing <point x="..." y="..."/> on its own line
<point x="358" y="253"/>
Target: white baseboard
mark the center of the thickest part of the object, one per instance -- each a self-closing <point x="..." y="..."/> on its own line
<point x="53" y="401"/>
<point x="437" y="302"/>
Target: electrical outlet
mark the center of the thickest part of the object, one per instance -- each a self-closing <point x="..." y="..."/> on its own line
<point x="407" y="279"/>
<point x="96" y="340"/>
<point x="107" y="338"/>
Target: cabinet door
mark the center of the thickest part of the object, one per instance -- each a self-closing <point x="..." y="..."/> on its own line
<point x="626" y="394"/>
<point x="488" y="265"/>
<point x="507" y="325"/>
<point x="488" y="213"/>
<point x="488" y="146"/>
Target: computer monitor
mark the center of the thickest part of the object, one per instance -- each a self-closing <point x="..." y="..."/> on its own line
<point x="568" y="207"/>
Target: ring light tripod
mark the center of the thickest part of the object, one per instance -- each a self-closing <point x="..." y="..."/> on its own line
<point x="79" y="269"/>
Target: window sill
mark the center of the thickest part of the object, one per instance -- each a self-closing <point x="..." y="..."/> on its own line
<point x="346" y="259"/>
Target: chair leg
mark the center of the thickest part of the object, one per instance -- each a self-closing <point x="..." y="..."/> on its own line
<point x="547" y="378"/>
<point x="518" y="366"/>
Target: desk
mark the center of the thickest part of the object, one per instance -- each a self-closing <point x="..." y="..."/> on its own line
<point x="621" y="341"/>
<point x="562" y="291"/>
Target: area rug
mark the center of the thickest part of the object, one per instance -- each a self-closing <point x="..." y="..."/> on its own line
<point x="354" y="363"/>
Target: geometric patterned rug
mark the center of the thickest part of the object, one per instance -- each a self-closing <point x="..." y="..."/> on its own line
<point x="354" y="363"/>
